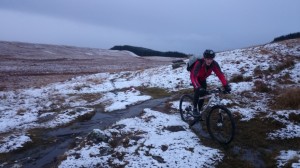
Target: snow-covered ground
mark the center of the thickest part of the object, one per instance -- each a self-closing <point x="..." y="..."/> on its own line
<point x="154" y="144"/>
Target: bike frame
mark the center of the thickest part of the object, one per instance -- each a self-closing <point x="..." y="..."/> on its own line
<point x="219" y="121"/>
<point x="212" y="97"/>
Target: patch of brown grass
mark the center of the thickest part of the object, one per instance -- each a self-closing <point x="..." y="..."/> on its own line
<point x="287" y="98"/>
<point x="230" y="161"/>
<point x="237" y="78"/>
<point x="285" y="79"/>
<point x="294" y="117"/>
<point x="2" y="88"/>
<point x="154" y="92"/>
<point x="251" y="138"/>
<point x="81" y="86"/>
<point x="257" y="71"/>
<point x="253" y="133"/>
<point x="185" y="91"/>
<point x="240" y="78"/>
<point x="264" y="51"/>
<point x="285" y="64"/>
<point x="90" y="97"/>
<point x="261" y="86"/>
<point x="95" y="80"/>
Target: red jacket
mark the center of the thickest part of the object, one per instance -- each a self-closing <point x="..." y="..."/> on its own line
<point x="201" y="71"/>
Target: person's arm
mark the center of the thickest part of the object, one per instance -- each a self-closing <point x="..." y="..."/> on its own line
<point x="219" y="73"/>
<point x="194" y="74"/>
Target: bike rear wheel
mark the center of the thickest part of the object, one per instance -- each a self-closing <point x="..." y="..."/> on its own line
<point x="220" y="124"/>
<point x="186" y="107"/>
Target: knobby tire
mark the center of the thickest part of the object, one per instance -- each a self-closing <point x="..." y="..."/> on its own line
<point x="220" y="124"/>
<point x="185" y="106"/>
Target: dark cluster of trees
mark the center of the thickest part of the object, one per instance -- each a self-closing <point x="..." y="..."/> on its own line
<point x="287" y="37"/>
<point x="140" y="51"/>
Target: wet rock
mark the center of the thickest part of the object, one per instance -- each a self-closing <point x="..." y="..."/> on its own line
<point x="98" y="136"/>
<point x="164" y="147"/>
<point x="119" y="126"/>
<point x="86" y="116"/>
<point x="104" y="151"/>
<point x="159" y="159"/>
<point x="46" y="117"/>
<point x="175" y="128"/>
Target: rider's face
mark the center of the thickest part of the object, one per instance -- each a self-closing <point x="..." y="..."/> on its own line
<point x="208" y="61"/>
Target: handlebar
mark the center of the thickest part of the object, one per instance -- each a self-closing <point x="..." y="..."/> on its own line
<point x="217" y="90"/>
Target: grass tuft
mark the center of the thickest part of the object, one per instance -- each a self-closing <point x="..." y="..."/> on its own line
<point x="285" y="79"/>
<point x="154" y="92"/>
<point x="294" y="117"/>
<point x="287" y="98"/>
<point x="261" y="86"/>
<point x="240" y="78"/>
<point x="287" y="63"/>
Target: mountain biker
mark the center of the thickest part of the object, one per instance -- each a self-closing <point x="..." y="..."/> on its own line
<point x="200" y="71"/>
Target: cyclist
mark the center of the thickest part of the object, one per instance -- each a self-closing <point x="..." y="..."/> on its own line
<point x="200" y="71"/>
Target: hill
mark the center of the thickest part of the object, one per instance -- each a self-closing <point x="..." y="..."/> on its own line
<point x="24" y="65"/>
<point x="287" y="37"/>
<point x="149" y="52"/>
<point x="264" y="102"/>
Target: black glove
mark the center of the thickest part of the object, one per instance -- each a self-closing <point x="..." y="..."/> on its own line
<point x="227" y="88"/>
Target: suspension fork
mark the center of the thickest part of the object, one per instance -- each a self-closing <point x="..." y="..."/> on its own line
<point x="220" y="119"/>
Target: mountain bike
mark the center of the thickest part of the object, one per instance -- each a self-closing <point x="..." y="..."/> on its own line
<point x="219" y="120"/>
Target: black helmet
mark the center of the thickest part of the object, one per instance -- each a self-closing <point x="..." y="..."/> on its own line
<point x="209" y="54"/>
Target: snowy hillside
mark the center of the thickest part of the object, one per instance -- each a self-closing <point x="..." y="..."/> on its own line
<point x="157" y="138"/>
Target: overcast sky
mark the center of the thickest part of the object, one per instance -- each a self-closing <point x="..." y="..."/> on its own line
<point x="188" y="26"/>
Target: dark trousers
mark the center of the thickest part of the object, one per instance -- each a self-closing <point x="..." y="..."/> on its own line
<point x="199" y="93"/>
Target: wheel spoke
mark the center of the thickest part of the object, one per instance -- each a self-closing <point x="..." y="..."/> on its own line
<point x="186" y="107"/>
<point x="220" y="124"/>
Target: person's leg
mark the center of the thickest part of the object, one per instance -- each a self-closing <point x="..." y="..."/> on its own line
<point x="197" y="94"/>
<point x="196" y="97"/>
<point x="201" y="93"/>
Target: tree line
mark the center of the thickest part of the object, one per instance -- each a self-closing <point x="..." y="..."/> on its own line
<point x="141" y="51"/>
<point x="287" y="37"/>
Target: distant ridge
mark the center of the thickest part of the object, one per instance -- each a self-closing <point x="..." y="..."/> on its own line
<point x="141" y="51"/>
<point x="287" y="37"/>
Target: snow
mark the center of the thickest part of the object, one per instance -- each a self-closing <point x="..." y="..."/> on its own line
<point x="292" y="130"/>
<point x="183" y="144"/>
<point x="120" y="100"/>
<point x="295" y="76"/>
<point x="14" y="142"/>
<point x="60" y="103"/>
<point x="285" y="156"/>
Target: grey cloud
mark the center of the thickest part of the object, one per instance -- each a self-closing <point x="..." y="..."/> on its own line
<point x="187" y="26"/>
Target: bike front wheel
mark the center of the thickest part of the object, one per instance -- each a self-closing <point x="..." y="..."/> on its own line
<point x="220" y="124"/>
<point x="186" y="107"/>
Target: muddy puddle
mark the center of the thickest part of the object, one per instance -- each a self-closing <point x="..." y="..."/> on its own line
<point x="52" y="144"/>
